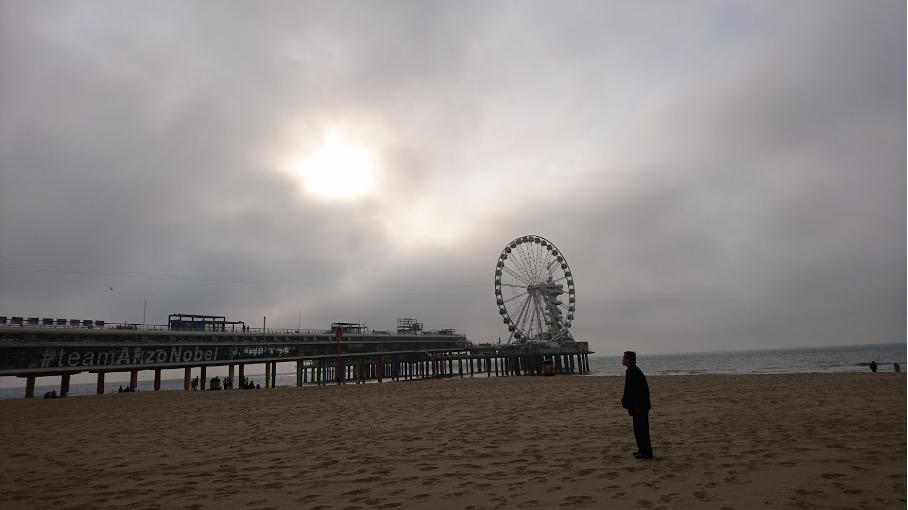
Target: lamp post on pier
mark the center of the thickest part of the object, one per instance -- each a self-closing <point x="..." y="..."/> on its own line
<point x="337" y="334"/>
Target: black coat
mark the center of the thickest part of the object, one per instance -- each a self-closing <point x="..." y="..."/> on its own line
<point x="636" y="391"/>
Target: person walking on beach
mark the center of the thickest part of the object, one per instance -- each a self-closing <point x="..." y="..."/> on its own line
<point x="873" y="366"/>
<point x="636" y="401"/>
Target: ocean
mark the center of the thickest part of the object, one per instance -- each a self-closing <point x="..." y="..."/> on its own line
<point x="776" y="361"/>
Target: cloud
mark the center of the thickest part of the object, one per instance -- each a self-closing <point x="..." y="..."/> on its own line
<point x="718" y="176"/>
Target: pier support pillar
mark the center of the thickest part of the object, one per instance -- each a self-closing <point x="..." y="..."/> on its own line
<point x="187" y="378"/>
<point x="30" y="386"/>
<point x="299" y="373"/>
<point x="157" y="379"/>
<point x="242" y="377"/>
<point x="267" y="375"/>
<point x="381" y="368"/>
<point x="133" y="379"/>
<point x="64" y="385"/>
<point x="230" y="376"/>
<point x="100" y="383"/>
<point x="202" y="380"/>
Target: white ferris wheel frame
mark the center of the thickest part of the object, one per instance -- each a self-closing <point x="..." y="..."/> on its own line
<point x="535" y="273"/>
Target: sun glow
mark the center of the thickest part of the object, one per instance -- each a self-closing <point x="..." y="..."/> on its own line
<point x="339" y="170"/>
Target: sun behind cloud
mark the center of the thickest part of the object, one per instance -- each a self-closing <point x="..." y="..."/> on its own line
<point x="339" y="170"/>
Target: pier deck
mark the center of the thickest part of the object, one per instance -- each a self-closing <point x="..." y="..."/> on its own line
<point x="321" y="356"/>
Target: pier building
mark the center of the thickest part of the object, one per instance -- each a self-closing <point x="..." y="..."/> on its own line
<point x="345" y="353"/>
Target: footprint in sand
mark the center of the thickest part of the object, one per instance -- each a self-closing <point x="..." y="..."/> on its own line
<point x="667" y="498"/>
<point x="576" y="500"/>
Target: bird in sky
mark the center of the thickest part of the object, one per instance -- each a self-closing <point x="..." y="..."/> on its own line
<point x="111" y="288"/>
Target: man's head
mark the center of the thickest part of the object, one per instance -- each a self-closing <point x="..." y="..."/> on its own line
<point x="630" y="358"/>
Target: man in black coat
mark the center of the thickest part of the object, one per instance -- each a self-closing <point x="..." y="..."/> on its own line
<point x="636" y="401"/>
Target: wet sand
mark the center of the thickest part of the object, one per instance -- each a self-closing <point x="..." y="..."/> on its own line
<point x="724" y="442"/>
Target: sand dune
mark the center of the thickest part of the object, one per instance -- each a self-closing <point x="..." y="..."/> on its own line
<point x="725" y="442"/>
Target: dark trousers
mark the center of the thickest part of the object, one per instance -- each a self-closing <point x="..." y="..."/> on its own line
<point x="641" y="432"/>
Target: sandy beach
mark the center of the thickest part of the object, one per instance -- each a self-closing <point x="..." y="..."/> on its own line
<point x="724" y="442"/>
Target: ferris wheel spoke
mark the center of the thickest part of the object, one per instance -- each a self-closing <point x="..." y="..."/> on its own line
<point x="541" y="256"/>
<point x="518" y="271"/>
<point x="518" y="277"/>
<point x="517" y="296"/>
<point x="521" y="265"/>
<point x="526" y="258"/>
<point x="537" y="312"/>
<point x="531" y="261"/>
<point x="520" y="321"/>
<point x="538" y="262"/>
<point x="560" y="279"/>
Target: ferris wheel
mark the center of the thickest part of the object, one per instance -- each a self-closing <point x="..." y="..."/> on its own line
<point x="534" y="289"/>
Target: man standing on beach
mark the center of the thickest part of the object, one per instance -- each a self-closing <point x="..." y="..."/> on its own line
<point x="636" y="401"/>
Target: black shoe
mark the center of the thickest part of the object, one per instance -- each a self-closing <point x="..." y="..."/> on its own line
<point x="642" y="456"/>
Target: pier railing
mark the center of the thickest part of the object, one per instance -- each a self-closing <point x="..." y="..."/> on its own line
<point x="160" y="327"/>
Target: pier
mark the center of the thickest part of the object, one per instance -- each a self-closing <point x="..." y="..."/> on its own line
<point x="345" y="353"/>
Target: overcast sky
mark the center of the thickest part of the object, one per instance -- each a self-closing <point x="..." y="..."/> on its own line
<point x="719" y="175"/>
